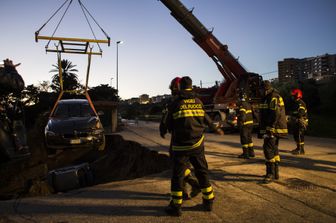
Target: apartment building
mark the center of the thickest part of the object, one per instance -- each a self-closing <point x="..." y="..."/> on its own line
<point x="318" y="68"/>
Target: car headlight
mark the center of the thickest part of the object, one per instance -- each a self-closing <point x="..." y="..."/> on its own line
<point x="49" y="133"/>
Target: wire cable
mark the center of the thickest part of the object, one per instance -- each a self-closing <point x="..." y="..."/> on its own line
<point x="94" y="19"/>
<point x="59" y="22"/>
<point x="270" y="72"/>
<point x="88" y="22"/>
<point x="85" y="12"/>
<point x="51" y="17"/>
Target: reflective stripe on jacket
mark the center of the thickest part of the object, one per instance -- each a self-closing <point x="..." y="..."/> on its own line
<point x="300" y="110"/>
<point x="187" y="122"/>
<point x="245" y="115"/>
<point x="273" y="114"/>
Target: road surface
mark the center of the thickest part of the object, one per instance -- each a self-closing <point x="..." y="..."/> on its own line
<point x="304" y="193"/>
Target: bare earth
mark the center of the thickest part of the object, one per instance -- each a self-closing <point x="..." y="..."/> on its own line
<point x="304" y="193"/>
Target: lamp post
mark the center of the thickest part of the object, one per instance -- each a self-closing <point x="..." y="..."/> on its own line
<point x="118" y="42"/>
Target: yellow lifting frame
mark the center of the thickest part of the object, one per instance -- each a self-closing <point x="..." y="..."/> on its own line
<point x="74" y="46"/>
<point x="74" y="42"/>
<point x="59" y="60"/>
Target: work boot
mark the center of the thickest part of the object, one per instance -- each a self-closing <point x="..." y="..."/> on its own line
<point x="251" y="152"/>
<point x="195" y="187"/>
<point x="276" y="170"/>
<point x="173" y="210"/>
<point x="207" y="204"/>
<point x="302" y="152"/>
<point x="296" y="151"/>
<point x="269" y="173"/>
<point x="245" y="154"/>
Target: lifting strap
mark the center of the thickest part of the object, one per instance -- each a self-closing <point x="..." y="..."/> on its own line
<point x="62" y="91"/>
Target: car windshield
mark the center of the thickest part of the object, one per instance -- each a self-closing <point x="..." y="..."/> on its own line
<point x="73" y="110"/>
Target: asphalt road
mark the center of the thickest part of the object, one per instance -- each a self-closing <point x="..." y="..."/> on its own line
<point x="305" y="191"/>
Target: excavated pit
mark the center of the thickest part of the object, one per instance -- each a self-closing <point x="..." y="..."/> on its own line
<point x="124" y="160"/>
<point x="121" y="160"/>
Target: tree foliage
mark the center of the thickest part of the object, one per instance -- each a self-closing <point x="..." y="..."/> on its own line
<point x="328" y="96"/>
<point x="69" y="76"/>
<point x="103" y="92"/>
<point x="310" y="89"/>
<point x="30" y="95"/>
<point x="44" y="86"/>
<point x="312" y="94"/>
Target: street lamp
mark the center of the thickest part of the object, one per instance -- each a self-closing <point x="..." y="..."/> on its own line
<point x="118" y="42"/>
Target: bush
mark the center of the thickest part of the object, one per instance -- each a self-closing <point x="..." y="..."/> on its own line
<point x="322" y="126"/>
<point x="320" y="100"/>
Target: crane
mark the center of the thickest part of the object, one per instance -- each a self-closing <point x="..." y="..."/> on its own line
<point x="219" y="98"/>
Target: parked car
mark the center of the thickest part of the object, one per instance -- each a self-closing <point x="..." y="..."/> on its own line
<point x="74" y="124"/>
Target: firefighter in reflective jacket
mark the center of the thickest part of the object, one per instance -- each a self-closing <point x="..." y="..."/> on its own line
<point x="245" y="123"/>
<point x="273" y="126"/>
<point x="187" y="121"/>
<point x="299" y="121"/>
<point x="188" y="177"/>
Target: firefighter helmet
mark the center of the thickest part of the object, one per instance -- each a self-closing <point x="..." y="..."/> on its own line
<point x="186" y="83"/>
<point x="297" y="93"/>
<point x="175" y="84"/>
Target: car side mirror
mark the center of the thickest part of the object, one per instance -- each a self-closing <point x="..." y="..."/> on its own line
<point x="100" y="113"/>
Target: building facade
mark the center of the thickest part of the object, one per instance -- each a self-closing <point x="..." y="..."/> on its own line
<point x="318" y="68"/>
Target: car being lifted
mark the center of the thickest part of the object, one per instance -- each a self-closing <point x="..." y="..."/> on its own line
<point x="74" y="124"/>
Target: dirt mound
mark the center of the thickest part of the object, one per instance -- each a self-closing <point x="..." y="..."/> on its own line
<point x="127" y="160"/>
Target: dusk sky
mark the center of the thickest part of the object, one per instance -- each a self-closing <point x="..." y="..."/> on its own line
<point x="157" y="48"/>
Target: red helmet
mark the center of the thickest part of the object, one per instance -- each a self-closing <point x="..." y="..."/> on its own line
<point x="297" y="93"/>
<point x="175" y="84"/>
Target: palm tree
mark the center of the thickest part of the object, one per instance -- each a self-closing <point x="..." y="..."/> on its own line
<point x="70" y="78"/>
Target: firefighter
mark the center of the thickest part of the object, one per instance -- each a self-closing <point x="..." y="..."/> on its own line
<point x="245" y="123"/>
<point x="186" y="120"/>
<point x="273" y="126"/>
<point x="188" y="177"/>
<point x="299" y="121"/>
<point x="174" y="88"/>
